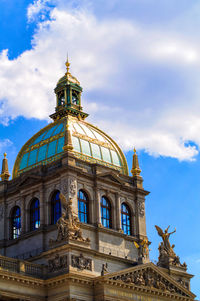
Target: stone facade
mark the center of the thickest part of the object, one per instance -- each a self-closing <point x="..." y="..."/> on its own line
<point x="69" y="259"/>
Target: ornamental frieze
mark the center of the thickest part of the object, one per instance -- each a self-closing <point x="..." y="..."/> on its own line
<point x="81" y="263"/>
<point x="58" y="263"/>
<point x="149" y="278"/>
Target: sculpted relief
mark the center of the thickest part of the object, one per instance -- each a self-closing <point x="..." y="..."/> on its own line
<point x="68" y="224"/>
<point x="58" y="263"/>
<point x="81" y="262"/>
<point x="72" y="187"/>
<point x="148" y="278"/>
<point x="141" y="207"/>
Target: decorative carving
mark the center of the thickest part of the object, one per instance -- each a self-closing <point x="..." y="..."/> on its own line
<point x="141" y="207"/>
<point x="58" y="263"/>
<point x="143" y="247"/>
<point x="183" y="283"/>
<point x="65" y="187"/>
<point x="104" y="269"/>
<point x="81" y="262"/>
<point x="148" y="278"/>
<point x="72" y="187"/>
<point x="68" y="224"/>
<point x="167" y="256"/>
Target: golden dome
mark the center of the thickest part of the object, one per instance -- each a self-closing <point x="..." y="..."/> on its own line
<point x="88" y="142"/>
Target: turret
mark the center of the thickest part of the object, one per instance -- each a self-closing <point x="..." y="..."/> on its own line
<point x="136" y="170"/>
<point x="4" y="172"/>
<point x="68" y="97"/>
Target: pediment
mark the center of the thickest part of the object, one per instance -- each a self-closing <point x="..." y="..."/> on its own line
<point x="111" y="177"/>
<point x="29" y="180"/>
<point x="150" y="278"/>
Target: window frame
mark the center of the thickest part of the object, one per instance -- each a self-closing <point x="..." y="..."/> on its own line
<point x="34" y="214"/>
<point x="15" y="231"/>
<point x="85" y="202"/>
<point x="128" y="219"/>
<point x="56" y="210"/>
<point x="106" y="220"/>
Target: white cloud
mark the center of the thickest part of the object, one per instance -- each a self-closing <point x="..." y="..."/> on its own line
<point x="144" y="74"/>
<point x="5" y="144"/>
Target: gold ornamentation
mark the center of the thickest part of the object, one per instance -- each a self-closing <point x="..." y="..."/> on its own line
<point x="5" y="172"/>
<point x="135" y="165"/>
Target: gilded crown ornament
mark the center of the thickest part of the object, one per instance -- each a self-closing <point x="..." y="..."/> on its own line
<point x="135" y="165"/>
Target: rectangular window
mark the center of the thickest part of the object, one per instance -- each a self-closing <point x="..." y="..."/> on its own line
<point x="51" y="149"/>
<point x="61" y="142"/>
<point x="76" y="144"/>
<point x="42" y="153"/>
<point x="23" y="162"/>
<point x="115" y="158"/>
<point x="106" y="154"/>
<point x="32" y="157"/>
<point x="96" y="151"/>
<point x="85" y="147"/>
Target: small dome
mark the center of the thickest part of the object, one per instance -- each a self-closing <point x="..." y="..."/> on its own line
<point x="89" y="144"/>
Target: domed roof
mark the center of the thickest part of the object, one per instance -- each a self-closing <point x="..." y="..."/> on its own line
<point x="89" y="144"/>
<point x="69" y="132"/>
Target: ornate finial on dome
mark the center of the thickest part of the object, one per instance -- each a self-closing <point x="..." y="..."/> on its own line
<point x="5" y="172"/>
<point x="67" y="64"/>
<point x="135" y="166"/>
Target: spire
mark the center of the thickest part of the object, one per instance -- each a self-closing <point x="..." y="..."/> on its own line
<point x="135" y="166"/>
<point x="67" y="64"/>
<point x="4" y="172"/>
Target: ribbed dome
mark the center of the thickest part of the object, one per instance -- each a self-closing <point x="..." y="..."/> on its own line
<point x="89" y="144"/>
<point x="69" y="131"/>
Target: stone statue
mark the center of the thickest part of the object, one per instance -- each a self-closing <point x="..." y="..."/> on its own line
<point x="104" y="269"/>
<point x="61" y="226"/>
<point x="167" y="256"/>
<point x="143" y="247"/>
<point x="165" y="237"/>
<point x="68" y="224"/>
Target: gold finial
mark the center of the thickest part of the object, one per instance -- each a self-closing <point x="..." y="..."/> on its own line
<point x="135" y="166"/>
<point x="67" y="64"/>
<point x="5" y="172"/>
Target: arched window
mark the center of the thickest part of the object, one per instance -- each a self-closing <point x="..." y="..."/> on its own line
<point x="55" y="207"/>
<point x="126" y="219"/>
<point x="106" y="212"/>
<point x="35" y="214"/>
<point x="16" y="222"/>
<point x="82" y="206"/>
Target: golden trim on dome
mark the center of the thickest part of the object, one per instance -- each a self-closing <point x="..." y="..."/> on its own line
<point x="111" y="145"/>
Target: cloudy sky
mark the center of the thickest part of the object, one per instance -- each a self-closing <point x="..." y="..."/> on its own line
<point x="138" y="62"/>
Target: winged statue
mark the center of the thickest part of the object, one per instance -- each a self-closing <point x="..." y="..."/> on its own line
<point x="165" y="237"/>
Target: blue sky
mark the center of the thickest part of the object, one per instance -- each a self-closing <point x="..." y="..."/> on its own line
<point x="137" y="60"/>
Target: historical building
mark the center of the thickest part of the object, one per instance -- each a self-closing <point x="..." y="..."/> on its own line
<point x="72" y="220"/>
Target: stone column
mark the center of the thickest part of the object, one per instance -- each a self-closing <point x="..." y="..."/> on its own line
<point x="23" y="215"/>
<point x="118" y="212"/>
<point x="98" y="208"/>
<point x="42" y="207"/>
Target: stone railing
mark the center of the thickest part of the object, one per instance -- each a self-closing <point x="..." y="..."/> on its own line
<point x="22" y="267"/>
